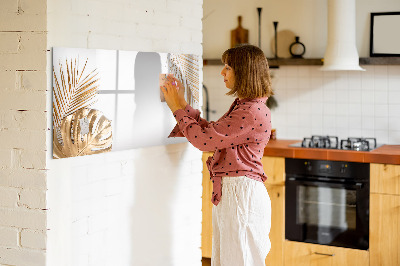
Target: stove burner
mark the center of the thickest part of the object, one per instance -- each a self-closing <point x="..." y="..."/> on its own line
<point x="328" y="142"/>
<point x="358" y="144"/>
<point x="332" y="142"/>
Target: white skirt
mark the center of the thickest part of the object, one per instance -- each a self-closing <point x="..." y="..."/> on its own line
<point x="241" y="223"/>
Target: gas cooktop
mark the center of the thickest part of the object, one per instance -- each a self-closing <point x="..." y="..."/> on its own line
<point x="332" y="142"/>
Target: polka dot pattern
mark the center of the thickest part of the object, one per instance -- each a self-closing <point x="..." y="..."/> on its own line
<point x="238" y="139"/>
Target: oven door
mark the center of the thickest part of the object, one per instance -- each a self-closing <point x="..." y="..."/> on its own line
<point x="327" y="213"/>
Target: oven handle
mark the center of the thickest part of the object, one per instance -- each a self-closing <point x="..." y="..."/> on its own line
<point x="357" y="185"/>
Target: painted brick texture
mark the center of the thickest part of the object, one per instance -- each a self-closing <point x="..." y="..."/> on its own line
<point x="100" y="198"/>
<point x="33" y="239"/>
<point x="23" y="132"/>
<point x="9" y="237"/>
<point x="118" y="208"/>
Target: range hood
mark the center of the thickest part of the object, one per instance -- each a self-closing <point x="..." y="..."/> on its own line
<point x="341" y="51"/>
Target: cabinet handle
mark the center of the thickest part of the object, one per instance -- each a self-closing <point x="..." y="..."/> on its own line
<point x="325" y="254"/>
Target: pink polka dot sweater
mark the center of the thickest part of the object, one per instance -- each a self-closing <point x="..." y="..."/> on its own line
<point x="238" y="139"/>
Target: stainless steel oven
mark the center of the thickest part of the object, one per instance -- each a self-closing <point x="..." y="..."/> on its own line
<point x="327" y="202"/>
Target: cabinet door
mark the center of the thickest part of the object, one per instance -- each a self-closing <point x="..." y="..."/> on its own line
<point x="305" y="254"/>
<point x="384" y="236"/>
<point x="206" y="232"/>
<point x="385" y="178"/>
<point x="274" y="168"/>
<point x="277" y="233"/>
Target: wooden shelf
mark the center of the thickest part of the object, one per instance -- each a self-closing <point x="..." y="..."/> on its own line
<point x="212" y="62"/>
<point x="273" y="63"/>
<point x="295" y="62"/>
<point x="380" y="61"/>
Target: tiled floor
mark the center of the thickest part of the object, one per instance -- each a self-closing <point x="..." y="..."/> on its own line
<point x="206" y="261"/>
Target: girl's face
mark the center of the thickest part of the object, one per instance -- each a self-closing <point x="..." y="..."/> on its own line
<point x="229" y="76"/>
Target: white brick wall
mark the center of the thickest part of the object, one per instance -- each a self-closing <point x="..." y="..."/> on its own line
<point x="23" y="178"/>
<point x="121" y="207"/>
<point x="24" y="256"/>
<point x="9" y="237"/>
<point x="134" y="207"/>
<point x="95" y="211"/>
<point x="23" y="218"/>
<point x="23" y="132"/>
<point x="8" y="197"/>
<point x="33" y="239"/>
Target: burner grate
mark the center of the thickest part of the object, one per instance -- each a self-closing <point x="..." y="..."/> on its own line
<point x="332" y="142"/>
<point x="327" y="142"/>
<point x="358" y="144"/>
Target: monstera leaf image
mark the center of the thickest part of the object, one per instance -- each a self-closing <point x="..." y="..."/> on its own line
<point x="86" y="131"/>
<point x="74" y="88"/>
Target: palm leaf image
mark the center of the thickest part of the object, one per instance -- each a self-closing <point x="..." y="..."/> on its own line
<point x="86" y="131"/>
<point x="185" y="67"/>
<point x="72" y="90"/>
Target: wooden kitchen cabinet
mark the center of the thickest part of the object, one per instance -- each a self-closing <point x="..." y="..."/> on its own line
<point x="384" y="236"/>
<point x="274" y="168"/>
<point x="206" y="225"/>
<point x="277" y="232"/>
<point x="385" y="178"/>
<point x="306" y="254"/>
<point x="384" y="246"/>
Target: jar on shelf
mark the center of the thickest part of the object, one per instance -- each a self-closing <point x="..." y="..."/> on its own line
<point x="297" y="49"/>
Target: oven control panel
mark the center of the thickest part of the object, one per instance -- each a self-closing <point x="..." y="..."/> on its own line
<point x="325" y="167"/>
<point x="337" y="169"/>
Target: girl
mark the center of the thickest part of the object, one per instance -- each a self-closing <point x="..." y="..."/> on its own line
<point x="241" y="214"/>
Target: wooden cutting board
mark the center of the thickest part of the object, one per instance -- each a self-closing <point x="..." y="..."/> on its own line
<point x="239" y="35"/>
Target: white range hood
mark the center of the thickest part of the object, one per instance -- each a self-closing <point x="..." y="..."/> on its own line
<point x="341" y="51"/>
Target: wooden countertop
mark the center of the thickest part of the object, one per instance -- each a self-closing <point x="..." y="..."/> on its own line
<point x="389" y="154"/>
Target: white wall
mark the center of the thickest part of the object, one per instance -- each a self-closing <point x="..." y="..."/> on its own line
<point x="23" y="132"/>
<point x="305" y="18"/>
<point x="311" y="102"/>
<point x="134" y="207"/>
<point x="344" y="103"/>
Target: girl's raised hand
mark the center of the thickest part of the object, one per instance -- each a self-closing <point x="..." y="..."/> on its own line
<point x="181" y="90"/>
<point x="171" y="95"/>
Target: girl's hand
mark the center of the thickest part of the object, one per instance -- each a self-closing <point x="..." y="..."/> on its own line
<point x="181" y="91"/>
<point x="171" y="95"/>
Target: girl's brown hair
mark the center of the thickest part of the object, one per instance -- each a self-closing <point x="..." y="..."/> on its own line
<point x="250" y="66"/>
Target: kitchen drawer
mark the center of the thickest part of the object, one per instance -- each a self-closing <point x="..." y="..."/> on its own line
<point x="306" y="254"/>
